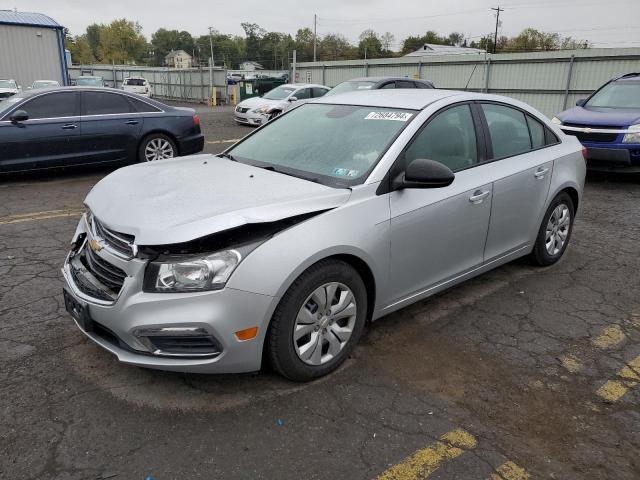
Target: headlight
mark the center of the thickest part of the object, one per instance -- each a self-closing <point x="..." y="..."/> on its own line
<point x="633" y="137"/>
<point x="263" y="109"/>
<point x="194" y="273"/>
<point x="556" y="120"/>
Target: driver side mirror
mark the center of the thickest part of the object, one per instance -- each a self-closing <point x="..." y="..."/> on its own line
<point x="581" y="102"/>
<point x="293" y="99"/>
<point x="19" y="116"/>
<point x="423" y="173"/>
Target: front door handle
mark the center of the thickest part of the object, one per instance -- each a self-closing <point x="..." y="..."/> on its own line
<point x="132" y="122"/>
<point x="69" y="126"/>
<point x="478" y="196"/>
<point x="540" y="173"/>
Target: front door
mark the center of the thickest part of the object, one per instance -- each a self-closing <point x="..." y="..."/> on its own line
<point x="438" y="234"/>
<point x="49" y="138"/>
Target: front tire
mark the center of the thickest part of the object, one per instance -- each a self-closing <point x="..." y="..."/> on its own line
<point x="318" y="321"/>
<point x="555" y="231"/>
<point x="157" y="146"/>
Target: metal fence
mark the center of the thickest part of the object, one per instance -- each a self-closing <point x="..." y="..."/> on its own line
<point x="191" y="85"/>
<point x="549" y="81"/>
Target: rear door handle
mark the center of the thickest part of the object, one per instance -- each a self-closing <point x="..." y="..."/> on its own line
<point x="478" y="196"/>
<point x="69" y="126"/>
<point x="132" y="122"/>
<point x="540" y="173"/>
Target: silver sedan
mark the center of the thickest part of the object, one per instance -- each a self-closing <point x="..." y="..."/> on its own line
<point x="335" y="214"/>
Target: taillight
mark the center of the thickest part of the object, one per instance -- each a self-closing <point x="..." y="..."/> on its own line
<point x="585" y="153"/>
<point x="196" y="120"/>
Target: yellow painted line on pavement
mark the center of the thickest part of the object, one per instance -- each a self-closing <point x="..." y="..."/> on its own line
<point x="510" y="471"/>
<point x="571" y="363"/>
<point x="609" y="337"/>
<point x="31" y="217"/>
<point x="424" y="462"/>
<point x="614" y="390"/>
<point x="215" y="142"/>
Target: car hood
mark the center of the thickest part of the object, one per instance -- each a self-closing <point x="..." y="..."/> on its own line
<point x="8" y="90"/>
<point x="179" y="200"/>
<point x="601" y="116"/>
<point x="255" y="102"/>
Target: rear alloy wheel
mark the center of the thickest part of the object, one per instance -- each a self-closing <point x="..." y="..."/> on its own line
<point x="157" y="147"/>
<point x="318" y="321"/>
<point x="555" y="231"/>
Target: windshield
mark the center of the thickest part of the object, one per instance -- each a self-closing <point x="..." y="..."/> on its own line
<point x="7" y="103"/>
<point x="8" y="84"/>
<point x="350" y="87"/>
<point x="279" y="93"/>
<point x="44" y="84"/>
<point x="336" y="145"/>
<point x="617" y="95"/>
<point x="89" y="82"/>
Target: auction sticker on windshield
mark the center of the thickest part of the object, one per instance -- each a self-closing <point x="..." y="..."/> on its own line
<point x="397" y="116"/>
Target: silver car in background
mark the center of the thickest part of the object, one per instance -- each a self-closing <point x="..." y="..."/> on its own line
<point x="334" y="214"/>
<point x="257" y="111"/>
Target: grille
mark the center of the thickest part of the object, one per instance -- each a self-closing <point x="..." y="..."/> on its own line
<point x="185" y="346"/>
<point x="108" y="274"/>
<point x="120" y="242"/>
<point x="594" y="137"/>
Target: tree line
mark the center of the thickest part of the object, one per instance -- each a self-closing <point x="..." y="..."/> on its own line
<point x="122" y="42"/>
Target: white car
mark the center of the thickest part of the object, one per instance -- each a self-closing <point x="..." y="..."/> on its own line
<point x="44" y="84"/>
<point x="258" y="110"/>
<point x="138" y="85"/>
<point x="9" y="88"/>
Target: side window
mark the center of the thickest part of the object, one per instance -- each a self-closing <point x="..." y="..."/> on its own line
<point x="141" y="106"/>
<point x="449" y="138"/>
<point x="405" y="84"/>
<point x="52" y="105"/>
<point x="422" y="85"/>
<point x="100" y="103"/>
<point x="537" y="133"/>
<point x="389" y="85"/>
<point x="302" y="94"/>
<point x="319" y="92"/>
<point x="508" y="129"/>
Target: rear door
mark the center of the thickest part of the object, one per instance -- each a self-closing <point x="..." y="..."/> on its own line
<point x="49" y="138"/>
<point x="110" y="127"/>
<point x="522" y="168"/>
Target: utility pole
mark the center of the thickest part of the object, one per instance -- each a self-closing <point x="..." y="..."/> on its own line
<point x="315" y="27"/>
<point x="495" y="38"/>
<point x="211" y="45"/>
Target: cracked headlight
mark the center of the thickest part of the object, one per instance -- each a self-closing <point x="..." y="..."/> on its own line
<point x="633" y="136"/>
<point x="556" y="120"/>
<point x="195" y="273"/>
<point x="263" y="109"/>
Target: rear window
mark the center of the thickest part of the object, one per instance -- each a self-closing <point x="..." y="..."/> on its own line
<point x="135" y="82"/>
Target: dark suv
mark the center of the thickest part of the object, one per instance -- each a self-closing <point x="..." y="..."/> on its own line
<point x="608" y="124"/>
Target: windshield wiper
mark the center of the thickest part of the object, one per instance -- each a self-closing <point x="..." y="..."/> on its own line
<point x="227" y="155"/>
<point x="271" y="168"/>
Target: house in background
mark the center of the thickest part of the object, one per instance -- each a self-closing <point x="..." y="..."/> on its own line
<point x="178" y="59"/>
<point x="432" y="49"/>
<point x="251" y="65"/>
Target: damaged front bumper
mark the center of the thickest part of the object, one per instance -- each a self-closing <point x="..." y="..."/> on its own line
<point x="186" y="332"/>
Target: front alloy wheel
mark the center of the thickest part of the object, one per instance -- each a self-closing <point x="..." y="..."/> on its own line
<point x="318" y="321"/>
<point x="325" y="323"/>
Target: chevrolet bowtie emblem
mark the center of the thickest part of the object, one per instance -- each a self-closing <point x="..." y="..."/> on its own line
<point x="95" y="245"/>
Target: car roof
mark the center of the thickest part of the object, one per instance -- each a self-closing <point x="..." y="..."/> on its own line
<point x="380" y="79"/>
<point x="406" y="98"/>
<point x="88" y="76"/>
<point x="628" y="77"/>
<point x="300" y="85"/>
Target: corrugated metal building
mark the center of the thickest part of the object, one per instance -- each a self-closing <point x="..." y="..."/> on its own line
<point x="32" y="48"/>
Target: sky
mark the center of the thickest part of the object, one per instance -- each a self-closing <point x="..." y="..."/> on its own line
<point x="606" y="23"/>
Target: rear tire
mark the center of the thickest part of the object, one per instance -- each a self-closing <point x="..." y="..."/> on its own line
<point x="555" y="231"/>
<point x="157" y="146"/>
<point x="318" y="322"/>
